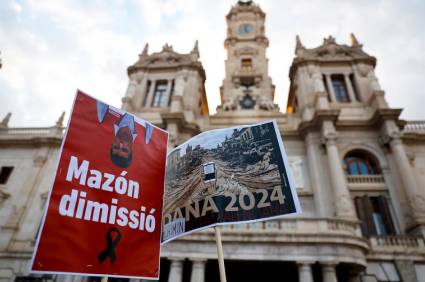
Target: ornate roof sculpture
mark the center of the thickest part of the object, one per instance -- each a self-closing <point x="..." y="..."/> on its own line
<point x="243" y="6"/>
<point x="167" y="58"/>
<point x="330" y="51"/>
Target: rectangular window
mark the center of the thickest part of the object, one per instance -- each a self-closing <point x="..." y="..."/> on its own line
<point x="339" y="87"/>
<point x="375" y="216"/>
<point x="5" y="173"/>
<point x="160" y="98"/>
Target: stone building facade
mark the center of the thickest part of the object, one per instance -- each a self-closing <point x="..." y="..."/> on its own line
<point x="359" y="169"/>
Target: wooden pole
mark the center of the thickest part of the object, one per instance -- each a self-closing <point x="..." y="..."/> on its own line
<point x="220" y="254"/>
<point x="104" y="279"/>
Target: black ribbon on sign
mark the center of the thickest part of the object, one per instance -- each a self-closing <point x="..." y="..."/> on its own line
<point x="111" y="244"/>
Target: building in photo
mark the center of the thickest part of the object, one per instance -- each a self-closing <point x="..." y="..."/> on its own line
<point x="358" y="168"/>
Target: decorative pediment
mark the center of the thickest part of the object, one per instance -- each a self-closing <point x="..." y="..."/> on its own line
<point x="167" y="58"/>
<point x="330" y="50"/>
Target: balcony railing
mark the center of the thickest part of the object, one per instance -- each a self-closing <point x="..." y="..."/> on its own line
<point x="396" y="243"/>
<point x="366" y="179"/>
<point x="415" y="126"/>
<point x="317" y="226"/>
<point x="33" y="131"/>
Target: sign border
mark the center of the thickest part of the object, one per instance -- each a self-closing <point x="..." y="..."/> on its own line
<point x="137" y="119"/>
<point x="298" y="209"/>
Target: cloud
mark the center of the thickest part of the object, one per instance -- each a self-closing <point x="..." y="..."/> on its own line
<point x="51" y="48"/>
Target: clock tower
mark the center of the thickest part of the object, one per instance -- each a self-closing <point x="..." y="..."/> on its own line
<point x="247" y="85"/>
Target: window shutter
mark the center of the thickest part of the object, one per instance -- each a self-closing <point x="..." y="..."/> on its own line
<point x="386" y="214"/>
<point x="364" y="212"/>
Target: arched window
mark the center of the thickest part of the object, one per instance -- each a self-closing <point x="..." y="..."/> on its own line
<point x="360" y="163"/>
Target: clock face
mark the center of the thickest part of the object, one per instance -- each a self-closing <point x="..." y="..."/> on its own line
<point x="245" y="29"/>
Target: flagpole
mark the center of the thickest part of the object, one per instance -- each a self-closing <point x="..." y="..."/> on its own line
<point x="104" y="279"/>
<point x="220" y="254"/>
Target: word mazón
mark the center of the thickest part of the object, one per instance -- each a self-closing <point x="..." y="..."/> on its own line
<point x="101" y="181"/>
<point x="76" y="205"/>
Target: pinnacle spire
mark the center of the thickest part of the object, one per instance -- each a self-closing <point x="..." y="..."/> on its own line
<point x="5" y="122"/>
<point x="299" y="47"/>
<point x="195" y="51"/>
<point x="145" y="50"/>
<point x="59" y="122"/>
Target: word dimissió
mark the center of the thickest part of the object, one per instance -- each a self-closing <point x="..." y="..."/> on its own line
<point x="77" y="206"/>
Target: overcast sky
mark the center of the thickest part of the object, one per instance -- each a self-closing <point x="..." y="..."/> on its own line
<point x="49" y="48"/>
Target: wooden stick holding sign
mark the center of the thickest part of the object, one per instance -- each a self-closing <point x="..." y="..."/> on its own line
<point x="220" y="254"/>
<point x="104" y="279"/>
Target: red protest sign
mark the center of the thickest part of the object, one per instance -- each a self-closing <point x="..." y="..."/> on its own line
<point x="105" y="206"/>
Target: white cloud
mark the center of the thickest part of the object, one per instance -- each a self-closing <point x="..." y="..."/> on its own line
<point x="50" y="48"/>
<point x="16" y="7"/>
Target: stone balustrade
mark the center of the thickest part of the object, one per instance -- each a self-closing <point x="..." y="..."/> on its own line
<point x="397" y="242"/>
<point x="26" y="133"/>
<point x="415" y="126"/>
<point x="318" y="226"/>
<point x="30" y="130"/>
<point x="365" y="179"/>
<point x="397" y="247"/>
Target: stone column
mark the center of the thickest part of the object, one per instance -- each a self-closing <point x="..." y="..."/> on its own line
<point x="169" y="83"/>
<point x="315" y="176"/>
<point x="305" y="272"/>
<point x="150" y="94"/>
<point x="415" y="197"/>
<point x="198" y="270"/>
<point x="343" y="202"/>
<point x="329" y="273"/>
<point x="330" y="88"/>
<point x="141" y="93"/>
<point x="399" y="219"/>
<point x="350" y="88"/>
<point x="176" y="270"/>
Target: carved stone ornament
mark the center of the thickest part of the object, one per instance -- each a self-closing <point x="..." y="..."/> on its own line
<point x="229" y="105"/>
<point x="330" y="50"/>
<point x="267" y="104"/>
<point x="329" y="137"/>
<point x="167" y="58"/>
<point x="316" y="76"/>
<point x="247" y="102"/>
<point x="296" y="165"/>
<point x="417" y="205"/>
<point x="363" y="69"/>
<point x="373" y="81"/>
<point x="386" y="139"/>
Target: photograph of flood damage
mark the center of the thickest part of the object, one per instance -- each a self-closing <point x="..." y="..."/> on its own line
<point x="238" y="172"/>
